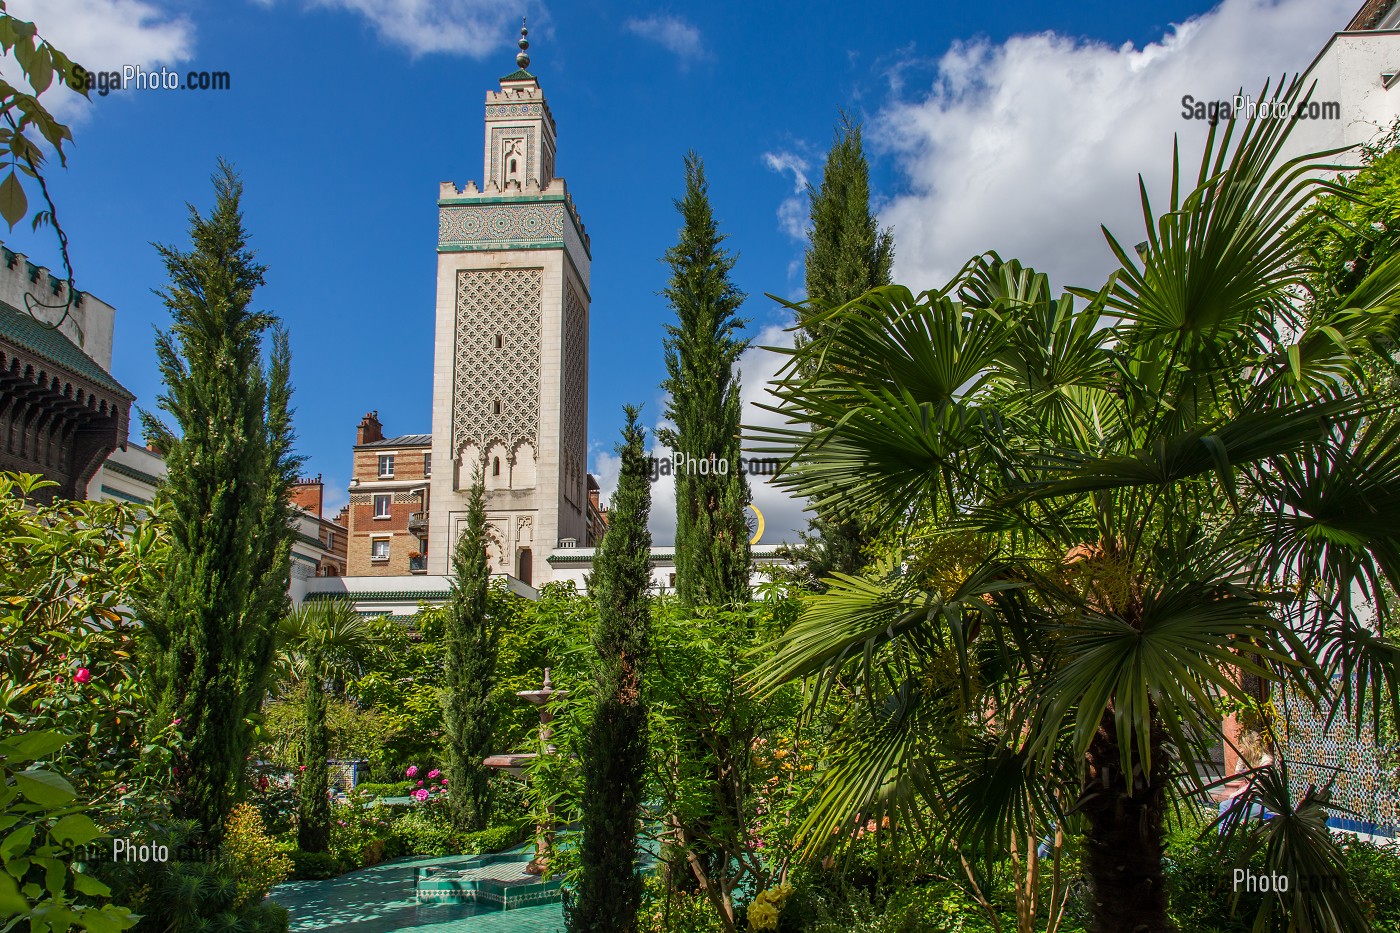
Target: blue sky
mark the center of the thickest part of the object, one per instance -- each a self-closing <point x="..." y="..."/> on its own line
<point x="1017" y="126"/>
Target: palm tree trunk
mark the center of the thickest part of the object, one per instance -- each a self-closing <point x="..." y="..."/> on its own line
<point x="1123" y="842"/>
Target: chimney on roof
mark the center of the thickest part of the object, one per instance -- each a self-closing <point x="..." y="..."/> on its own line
<point x="370" y="430"/>
<point x="307" y="493"/>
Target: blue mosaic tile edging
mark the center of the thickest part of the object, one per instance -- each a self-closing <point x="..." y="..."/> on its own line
<point x="1362" y="826"/>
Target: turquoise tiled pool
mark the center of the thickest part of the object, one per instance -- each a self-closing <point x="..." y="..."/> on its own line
<point x="380" y="899"/>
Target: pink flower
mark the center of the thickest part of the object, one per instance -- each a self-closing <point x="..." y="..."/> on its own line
<point x="420" y="783"/>
<point x="178" y="721"/>
<point x="433" y="773"/>
<point x="444" y="782"/>
<point x="420" y="795"/>
<point x="301" y="767"/>
<point x="412" y="771"/>
<point x="82" y="676"/>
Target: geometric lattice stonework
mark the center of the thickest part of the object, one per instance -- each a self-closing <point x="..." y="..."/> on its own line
<point x="496" y="389"/>
<point x="574" y="403"/>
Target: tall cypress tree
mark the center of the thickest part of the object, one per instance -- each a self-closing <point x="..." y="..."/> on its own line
<point x="848" y="255"/>
<point x="212" y="628"/>
<point x="615" y="753"/>
<point x="470" y="672"/>
<point x="313" y="806"/>
<point x="712" y="540"/>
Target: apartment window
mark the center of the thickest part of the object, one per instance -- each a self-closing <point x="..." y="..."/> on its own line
<point x="427" y="465"/>
<point x="381" y="505"/>
<point x="379" y="549"/>
<point x="330" y="540"/>
<point x="386" y="466"/>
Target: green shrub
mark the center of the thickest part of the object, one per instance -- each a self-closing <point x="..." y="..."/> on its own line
<point x="491" y="839"/>
<point x="1200" y="879"/>
<point x="396" y="789"/>
<point x="424" y="830"/>
<point x="1375" y="873"/>
<point x="268" y="917"/>
<point x="314" y="866"/>
<point x="359" y="833"/>
<point x="251" y="857"/>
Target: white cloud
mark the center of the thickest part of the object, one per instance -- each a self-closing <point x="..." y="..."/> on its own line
<point x="476" y="28"/>
<point x="1027" y="146"/>
<point x="793" y="211"/>
<point x="104" y="35"/>
<point x="783" y="515"/>
<point x="672" y="33"/>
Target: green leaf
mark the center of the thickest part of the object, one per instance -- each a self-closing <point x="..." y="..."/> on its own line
<point x="13" y="203"/>
<point x="45" y="788"/>
<point x="34" y="746"/>
<point x="75" y="829"/>
<point x="108" y="919"/>
<point x="41" y="71"/>
<point x="11" y="901"/>
<point x="16" y="842"/>
<point x="87" y="884"/>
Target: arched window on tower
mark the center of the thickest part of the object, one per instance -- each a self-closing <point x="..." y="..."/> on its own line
<point x="496" y="466"/>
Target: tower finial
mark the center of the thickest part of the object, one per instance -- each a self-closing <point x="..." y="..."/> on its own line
<point x="523" y="59"/>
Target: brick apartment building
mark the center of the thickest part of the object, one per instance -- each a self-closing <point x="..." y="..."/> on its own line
<point x="389" y="486"/>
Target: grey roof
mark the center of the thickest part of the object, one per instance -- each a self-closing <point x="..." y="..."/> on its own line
<point x="52" y="345"/>
<point x="403" y="440"/>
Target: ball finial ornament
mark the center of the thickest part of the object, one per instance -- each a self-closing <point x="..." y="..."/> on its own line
<point x="523" y="59"/>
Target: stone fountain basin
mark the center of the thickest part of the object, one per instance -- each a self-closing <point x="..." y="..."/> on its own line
<point x="499" y="880"/>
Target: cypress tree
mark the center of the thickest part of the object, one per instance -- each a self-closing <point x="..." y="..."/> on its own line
<point x="848" y="255"/>
<point x="712" y="540"/>
<point x="211" y="629"/>
<point x="470" y="672"/>
<point x="615" y="751"/>
<point x="314" y="807"/>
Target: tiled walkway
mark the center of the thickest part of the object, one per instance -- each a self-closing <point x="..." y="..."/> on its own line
<point x="380" y="900"/>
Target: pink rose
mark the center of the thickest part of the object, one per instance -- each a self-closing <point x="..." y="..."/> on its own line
<point x="82" y="676"/>
<point x="433" y="773"/>
<point x="444" y="782"/>
<point x="301" y="767"/>
<point x="420" y="783"/>
<point x="178" y="721"/>
<point x="420" y="795"/>
<point x="412" y="771"/>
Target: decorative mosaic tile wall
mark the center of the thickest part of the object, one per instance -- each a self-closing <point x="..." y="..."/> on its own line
<point x="1317" y="753"/>
<point x="481" y="223"/>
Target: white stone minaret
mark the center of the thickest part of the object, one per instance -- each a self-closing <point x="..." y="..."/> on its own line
<point x="510" y="371"/>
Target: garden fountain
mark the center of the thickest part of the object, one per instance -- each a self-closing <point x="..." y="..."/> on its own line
<point x="501" y="879"/>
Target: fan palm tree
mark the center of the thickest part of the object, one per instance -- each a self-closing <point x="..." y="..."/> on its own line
<point x="1133" y="501"/>
<point x="321" y="645"/>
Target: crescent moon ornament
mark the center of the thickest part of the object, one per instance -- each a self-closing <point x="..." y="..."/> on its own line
<point x="755" y="524"/>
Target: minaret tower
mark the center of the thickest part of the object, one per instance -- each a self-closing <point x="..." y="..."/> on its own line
<point x="510" y="374"/>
